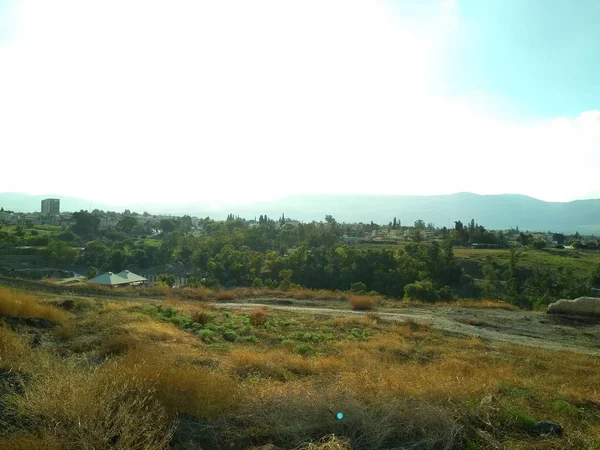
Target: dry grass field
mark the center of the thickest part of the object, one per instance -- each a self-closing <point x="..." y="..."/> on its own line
<point x="183" y="374"/>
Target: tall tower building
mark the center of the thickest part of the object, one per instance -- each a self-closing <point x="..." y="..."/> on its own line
<point x="51" y="207"/>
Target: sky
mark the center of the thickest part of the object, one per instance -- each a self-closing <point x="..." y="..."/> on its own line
<point x="124" y="101"/>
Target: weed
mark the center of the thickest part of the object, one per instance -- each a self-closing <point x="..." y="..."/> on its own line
<point x="230" y="336"/>
<point x="304" y="349"/>
<point x="359" y="333"/>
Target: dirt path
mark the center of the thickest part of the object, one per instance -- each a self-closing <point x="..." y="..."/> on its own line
<point x="493" y="325"/>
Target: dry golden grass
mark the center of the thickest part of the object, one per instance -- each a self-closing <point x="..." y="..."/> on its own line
<point x="405" y="385"/>
<point x="485" y="304"/>
<point x="102" y="409"/>
<point x="29" y="442"/>
<point x="331" y="442"/>
<point x="119" y="344"/>
<point x="363" y="302"/>
<point x="12" y="348"/>
<point x="180" y="387"/>
<point x="26" y="306"/>
<point x="279" y="364"/>
<point x="375" y="317"/>
<point x="346" y="322"/>
<point x="258" y="317"/>
<point x="225" y="296"/>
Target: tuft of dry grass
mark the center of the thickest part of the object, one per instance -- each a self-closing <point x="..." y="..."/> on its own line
<point x="226" y="296"/>
<point x="258" y="317"/>
<point x="347" y="322"/>
<point x="119" y="344"/>
<point x="28" y="442"/>
<point x="330" y="442"/>
<point x="375" y="317"/>
<point x="485" y="304"/>
<point x="103" y="409"/>
<point x="25" y="306"/>
<point x="413" y="326"/>
<point x="280" y="364"/>
<point x="12" y="348"/>
<point x="201" y="317"/>
<point x="363" y="302"/>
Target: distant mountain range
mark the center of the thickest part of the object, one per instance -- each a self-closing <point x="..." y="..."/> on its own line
<point x="492" y="211"/>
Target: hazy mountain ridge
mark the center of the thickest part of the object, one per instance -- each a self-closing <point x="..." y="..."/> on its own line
<point x="493" y="211"/>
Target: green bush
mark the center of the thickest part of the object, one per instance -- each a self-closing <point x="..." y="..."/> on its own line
<point x="304" y="349"/>
<point x="358" y="287"/>
<point x="230" y="336"/>
<point x="422" y="291"/>
<point x="208" y="336"/>
<point x="446" y="294"/>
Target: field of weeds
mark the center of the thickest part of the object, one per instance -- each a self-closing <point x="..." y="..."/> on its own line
<point x="101" y="373"/>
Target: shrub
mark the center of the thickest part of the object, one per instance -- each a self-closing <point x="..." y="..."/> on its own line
<point x="362" y="302"/>
<point x="230" y="335"/>
<point x="207" y="336"/>
<point x="258" y="317"/>
<point x="421" y="290"/>
<point x="257" y="283"/>
<point x="446" y="294"/>
<point x="358" y="287"/>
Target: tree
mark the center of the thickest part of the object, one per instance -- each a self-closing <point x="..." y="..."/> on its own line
<point x="420" y="225"/>
<point x="169" y="279"/>
<point x="422" y="291"/>
<point x="58" y="252"/>
<point x="513" y="284"/>
<point x="127" y="224"/>
<point x="86" y="224"/>
<point x="286" y="279"/>
<point x="167" y="225"/>
<point x="92" y="273"/>
<point x="539" y="244"/>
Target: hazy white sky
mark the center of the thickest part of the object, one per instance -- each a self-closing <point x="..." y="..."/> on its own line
<point x="145" y="100"/>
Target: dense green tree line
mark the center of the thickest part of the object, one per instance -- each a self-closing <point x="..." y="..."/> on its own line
<point x="266" y="252"/>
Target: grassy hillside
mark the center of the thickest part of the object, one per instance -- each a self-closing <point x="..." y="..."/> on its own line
<point x="582" y="261"/>
<point x="135" y="374"/>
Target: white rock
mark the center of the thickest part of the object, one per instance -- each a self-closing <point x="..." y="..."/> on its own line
<point x="582" y="306"/>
